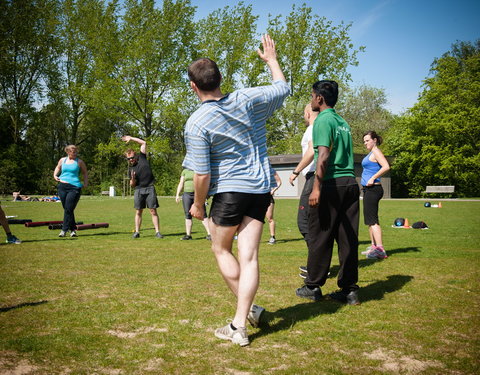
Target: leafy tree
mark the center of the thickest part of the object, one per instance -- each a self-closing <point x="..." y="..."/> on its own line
<point x="438" y="141"/>
<point x="309" y="48"/>
<point x="153" y="49"/>
<point x="364" y="109"/>
<point x="76" y="74"/>
<point x="27" y="48"/>
<point x="227" y="35"/>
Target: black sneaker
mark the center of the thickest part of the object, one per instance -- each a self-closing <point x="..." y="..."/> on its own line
<point x="186" y="238"/>
<point x="136" y="235"/>
<point x="345" y="296"/>
<point x="303" y="269"/>
<point x="314" y="294"/>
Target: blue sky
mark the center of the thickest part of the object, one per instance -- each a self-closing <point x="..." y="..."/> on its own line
<point x="402" y="37"/>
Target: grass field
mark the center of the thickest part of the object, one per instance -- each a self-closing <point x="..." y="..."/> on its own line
<point x="104" y="303"/>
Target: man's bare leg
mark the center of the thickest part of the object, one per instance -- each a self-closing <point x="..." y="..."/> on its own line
<point x="249" y="234"/>
<point x="138" y="220"/>
<point x="155" y="219"/>
<point x="222" y="239"/>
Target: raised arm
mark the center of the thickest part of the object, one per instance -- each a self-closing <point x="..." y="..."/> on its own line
<point x="141" y="142"/>
<point x="269" y="55"/>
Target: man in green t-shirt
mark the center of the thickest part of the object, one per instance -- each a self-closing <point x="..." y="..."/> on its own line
<point x="334" y="204"/>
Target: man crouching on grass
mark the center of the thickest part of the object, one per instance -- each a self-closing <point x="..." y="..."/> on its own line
<point x="226" y="148"/>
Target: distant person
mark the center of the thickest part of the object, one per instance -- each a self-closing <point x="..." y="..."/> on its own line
<point x="4" y="222"/>
<point x="334" y="201"/>
<point x="270" y="210"/>
<point x="226" y="147"/>
<point x="19" y="197"/>
<point x="67" y="174"/>
<point x="306" y="166"/>
<point x="186" y="184"/>
<point x="374" y="166"/>
<point x="142" y="179"/>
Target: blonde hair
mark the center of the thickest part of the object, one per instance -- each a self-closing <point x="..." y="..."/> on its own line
<point x="70" y="147"/>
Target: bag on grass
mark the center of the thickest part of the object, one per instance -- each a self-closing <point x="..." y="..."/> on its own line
<point x="420" y="225"/>
<point x="399" y="222"/>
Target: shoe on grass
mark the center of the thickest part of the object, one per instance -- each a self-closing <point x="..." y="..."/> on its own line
<point x="73" y="234"/>
<point x="237" y="336"/>
<point x="272" y="240"/>
<point x="158" y="235"/>
<point x="254" y="315"/>
<point x="62" y="233"/>
<point x="303" y="269"/>
<point x="349" y="297"/>
<point x="186" y="238"/>
<point x="13" y="239"/>
<point x="208" y="237"/>
<point x="367" y="250"/>
<point x="377" y="253"/>
<point x="136" y="235"/>
<point x="315" y="294"/>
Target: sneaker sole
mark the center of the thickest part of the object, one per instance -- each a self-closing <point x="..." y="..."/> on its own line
<point x="254" y="323"/>
<point x="243" y="342"/>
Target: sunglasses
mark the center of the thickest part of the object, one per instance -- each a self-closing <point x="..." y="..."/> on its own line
<point x="131" y="158"/>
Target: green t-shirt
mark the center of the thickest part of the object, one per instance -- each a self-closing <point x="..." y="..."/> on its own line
<point x="188" y="183"/>
<point x="332" y="131"/>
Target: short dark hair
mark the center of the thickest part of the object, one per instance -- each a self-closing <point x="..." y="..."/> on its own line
<point x="205" y="74"/>
<point x="327" y="89"/>
<point x="373" y="135"/>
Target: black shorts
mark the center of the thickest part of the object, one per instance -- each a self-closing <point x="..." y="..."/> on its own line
<point x="229" y="209"/>
<point x="187" y="201"/>
<point x="145" y="197"/>
<point x="371" y="197"/>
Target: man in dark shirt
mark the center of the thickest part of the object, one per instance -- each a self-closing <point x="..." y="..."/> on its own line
<point x="141" y="178"/>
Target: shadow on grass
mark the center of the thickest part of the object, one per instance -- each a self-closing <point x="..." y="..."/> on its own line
<point x="20" y="305"/>
<point x="403" y="250"/>
<point x="361" y="264"/>
<point x="286" y="318"/>
<point x="291" y="240"/>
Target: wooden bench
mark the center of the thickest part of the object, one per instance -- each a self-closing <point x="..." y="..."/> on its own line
<point x="440" y="189"/>
<point x="106" y="192"/>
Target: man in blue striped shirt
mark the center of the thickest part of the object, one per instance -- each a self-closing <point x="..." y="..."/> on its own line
<point x="226" y="148"/>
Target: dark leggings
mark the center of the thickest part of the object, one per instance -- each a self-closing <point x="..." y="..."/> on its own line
<point x="69" y="195"/>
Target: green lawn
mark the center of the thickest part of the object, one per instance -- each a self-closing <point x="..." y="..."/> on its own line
<point x="104" y="303"/>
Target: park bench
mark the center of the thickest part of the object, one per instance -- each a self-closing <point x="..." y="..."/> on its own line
<point x="106" y="192"/>
<point x="440" y="189"/>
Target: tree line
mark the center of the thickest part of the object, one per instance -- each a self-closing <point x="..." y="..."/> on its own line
<point x="86" y="72"/>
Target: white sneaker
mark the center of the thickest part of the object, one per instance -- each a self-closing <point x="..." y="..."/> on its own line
<point x="272" y="240"/>
<point x="368" y="250"/>
<point x="73" y="234"/>
<point x="254" y="315"/>
<point x="61" y="234"/>
<point x="238" y="336"/>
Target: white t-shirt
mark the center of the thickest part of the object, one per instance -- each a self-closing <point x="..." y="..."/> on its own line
<point x="307" y="137"/>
